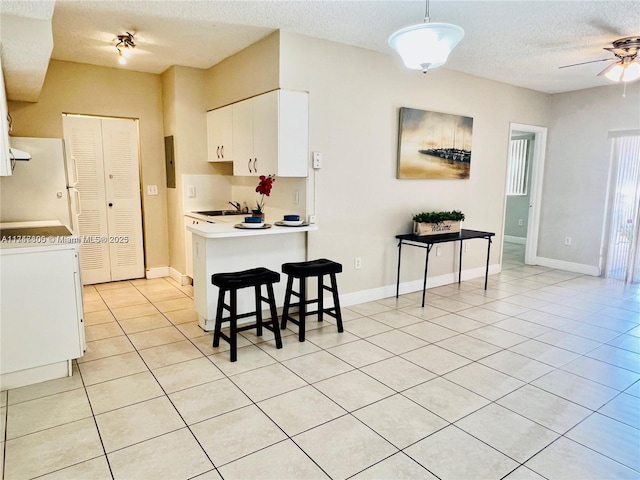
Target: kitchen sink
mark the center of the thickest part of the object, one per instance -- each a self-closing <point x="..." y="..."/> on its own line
<point x="218" y="213"/>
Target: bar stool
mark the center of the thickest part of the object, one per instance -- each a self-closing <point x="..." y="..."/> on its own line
<point x="232" y="282"/>
<point x="302" y="271"/>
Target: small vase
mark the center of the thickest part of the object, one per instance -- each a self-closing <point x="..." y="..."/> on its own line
<point x="258" y="213"/>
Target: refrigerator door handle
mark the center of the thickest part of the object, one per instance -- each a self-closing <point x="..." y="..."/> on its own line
<point x="75" y="172"/>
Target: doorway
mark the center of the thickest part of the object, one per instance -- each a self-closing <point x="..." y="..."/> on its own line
<point x="105" y="153"/>
<point x="524" y="190"/>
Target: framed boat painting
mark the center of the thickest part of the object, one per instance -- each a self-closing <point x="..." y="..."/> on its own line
<point x="434" y="145"/>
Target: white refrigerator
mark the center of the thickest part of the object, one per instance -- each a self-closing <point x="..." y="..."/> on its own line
<point x="43" y="188"/>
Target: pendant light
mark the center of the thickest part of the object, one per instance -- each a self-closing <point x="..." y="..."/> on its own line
<point x="426" y="46"/>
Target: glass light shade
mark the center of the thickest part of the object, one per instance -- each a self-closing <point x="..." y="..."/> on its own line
<point x="631" y="72"/>
<point x="427" y="45"/>
<point x="615" y="72"/>
<point x="121" y="58"/>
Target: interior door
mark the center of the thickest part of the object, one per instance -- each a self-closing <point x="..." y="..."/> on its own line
<point x="122" y="190"/>
<point x="83" y="137"/>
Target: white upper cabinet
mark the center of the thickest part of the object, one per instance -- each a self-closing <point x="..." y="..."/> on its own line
<point x="271" y="134"/>
<point x="256" y="126"/>
<point x="220" y="134"/>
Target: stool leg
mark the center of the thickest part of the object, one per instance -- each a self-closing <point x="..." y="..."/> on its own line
<point x="258" y="311"/>
<point x="274" y="315"/>
<point x="336" y="302"/>
<point x="219" y="312"/>
<point x="302" y="311"/>
<point x="287" y="302"/>
<point x="320" y="297"/>
<point x="233" y="331"/>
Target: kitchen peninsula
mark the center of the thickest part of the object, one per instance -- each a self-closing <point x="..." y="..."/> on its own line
<point x="221" y="247"/>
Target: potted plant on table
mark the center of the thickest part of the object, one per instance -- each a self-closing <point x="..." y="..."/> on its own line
<point x="264" y="189"/>
<point x="434" y="223"/>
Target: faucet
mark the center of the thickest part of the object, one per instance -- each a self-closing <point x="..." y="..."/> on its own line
<point x="236" y="205"/>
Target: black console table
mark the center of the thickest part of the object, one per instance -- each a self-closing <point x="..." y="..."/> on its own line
<point x="428" y="241"/>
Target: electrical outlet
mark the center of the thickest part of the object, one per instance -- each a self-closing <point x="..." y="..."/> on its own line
<point x="520" y="222"/>
<point x="467" y="247"/>
<point x="312" y="218"/>
<point x="438" y="251"/>
<point x="357" y="263"/>
<point x="317" y="160"/>
<point x="567" y="241"/>
<point x="152" y="189"/>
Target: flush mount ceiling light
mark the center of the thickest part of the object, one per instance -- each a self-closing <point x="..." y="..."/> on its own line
<point x="426" y="46"/>
<point x="125" y="46"/>
<point x="627" y="68"/>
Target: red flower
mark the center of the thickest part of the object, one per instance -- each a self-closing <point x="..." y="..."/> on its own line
<point x="264" y="188"/>
<point x="265" y="185"/>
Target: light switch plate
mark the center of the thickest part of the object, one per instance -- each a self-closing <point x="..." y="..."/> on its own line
<point x="192" y="191"/>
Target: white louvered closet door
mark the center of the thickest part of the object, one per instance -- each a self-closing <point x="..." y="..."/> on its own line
<point x="106" y="153"/>
<point x="83" y="137"/>
<point x="124" y="212"/>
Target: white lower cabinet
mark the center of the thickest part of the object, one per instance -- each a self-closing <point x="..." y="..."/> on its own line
<point x="188" y="243"/>
<point x="41" y="317"/>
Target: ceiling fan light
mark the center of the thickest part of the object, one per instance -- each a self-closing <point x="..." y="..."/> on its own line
<point x="614" y="72"/>
<point x="631" y="72"/>
<point x="427" y="45"/>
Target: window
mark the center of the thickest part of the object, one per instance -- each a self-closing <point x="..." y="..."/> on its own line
<point x="517" y="179"/>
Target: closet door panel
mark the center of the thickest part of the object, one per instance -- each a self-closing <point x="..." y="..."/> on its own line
<point x="122" y="188"/>
<point x="83" y="136"/>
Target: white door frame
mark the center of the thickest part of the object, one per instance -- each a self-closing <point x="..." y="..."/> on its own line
<point x="537" y="175"/>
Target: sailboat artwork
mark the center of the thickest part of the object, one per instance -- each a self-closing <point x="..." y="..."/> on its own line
<point x="434" y="145"/>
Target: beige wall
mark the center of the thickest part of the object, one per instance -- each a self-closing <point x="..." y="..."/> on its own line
<point x="87" y="89"/>
<point x="250" y="72"/>
<point x="575" y="186"/>
<point x="354" y="97"/>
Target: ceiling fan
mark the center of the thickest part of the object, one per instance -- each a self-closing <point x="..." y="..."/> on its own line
<point x="627" y="62"/>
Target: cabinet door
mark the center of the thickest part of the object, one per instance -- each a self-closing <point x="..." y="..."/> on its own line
<point x="220" y="134"/>
<point x="265" y="133"/>
<point x="39" y="313"/>
<point x="188" y="245"/>
<point x="243" y="138"/>
<point x="293" y="134"/>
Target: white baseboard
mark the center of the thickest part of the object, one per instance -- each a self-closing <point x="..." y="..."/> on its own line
<point x="181" y="278"/>
<point x="160" y="272"/>
<point x="387" y="291"/>
<point x="568" y="266"/>
<point x="518" y="240"/>
<point x="157" y="272"/>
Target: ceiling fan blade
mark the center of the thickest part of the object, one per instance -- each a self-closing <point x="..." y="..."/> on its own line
<point x="584" y="63"/>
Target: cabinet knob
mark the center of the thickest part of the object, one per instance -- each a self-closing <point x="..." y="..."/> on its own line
<point x="110" y="204"/>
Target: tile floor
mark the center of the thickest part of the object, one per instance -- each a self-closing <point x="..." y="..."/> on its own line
<point x="538" y="377"/>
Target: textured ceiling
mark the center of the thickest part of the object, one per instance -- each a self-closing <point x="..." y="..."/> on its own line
<point x="518" y="42"/>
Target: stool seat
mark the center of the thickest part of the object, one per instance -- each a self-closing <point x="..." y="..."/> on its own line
<point x="312" y="268"/>
<point x="245" y="278"/>
<point x="232" y="282"/>
<point x="302" y="271"/>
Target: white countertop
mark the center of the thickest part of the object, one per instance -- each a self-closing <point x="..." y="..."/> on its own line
<point x="224" y="227"/>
